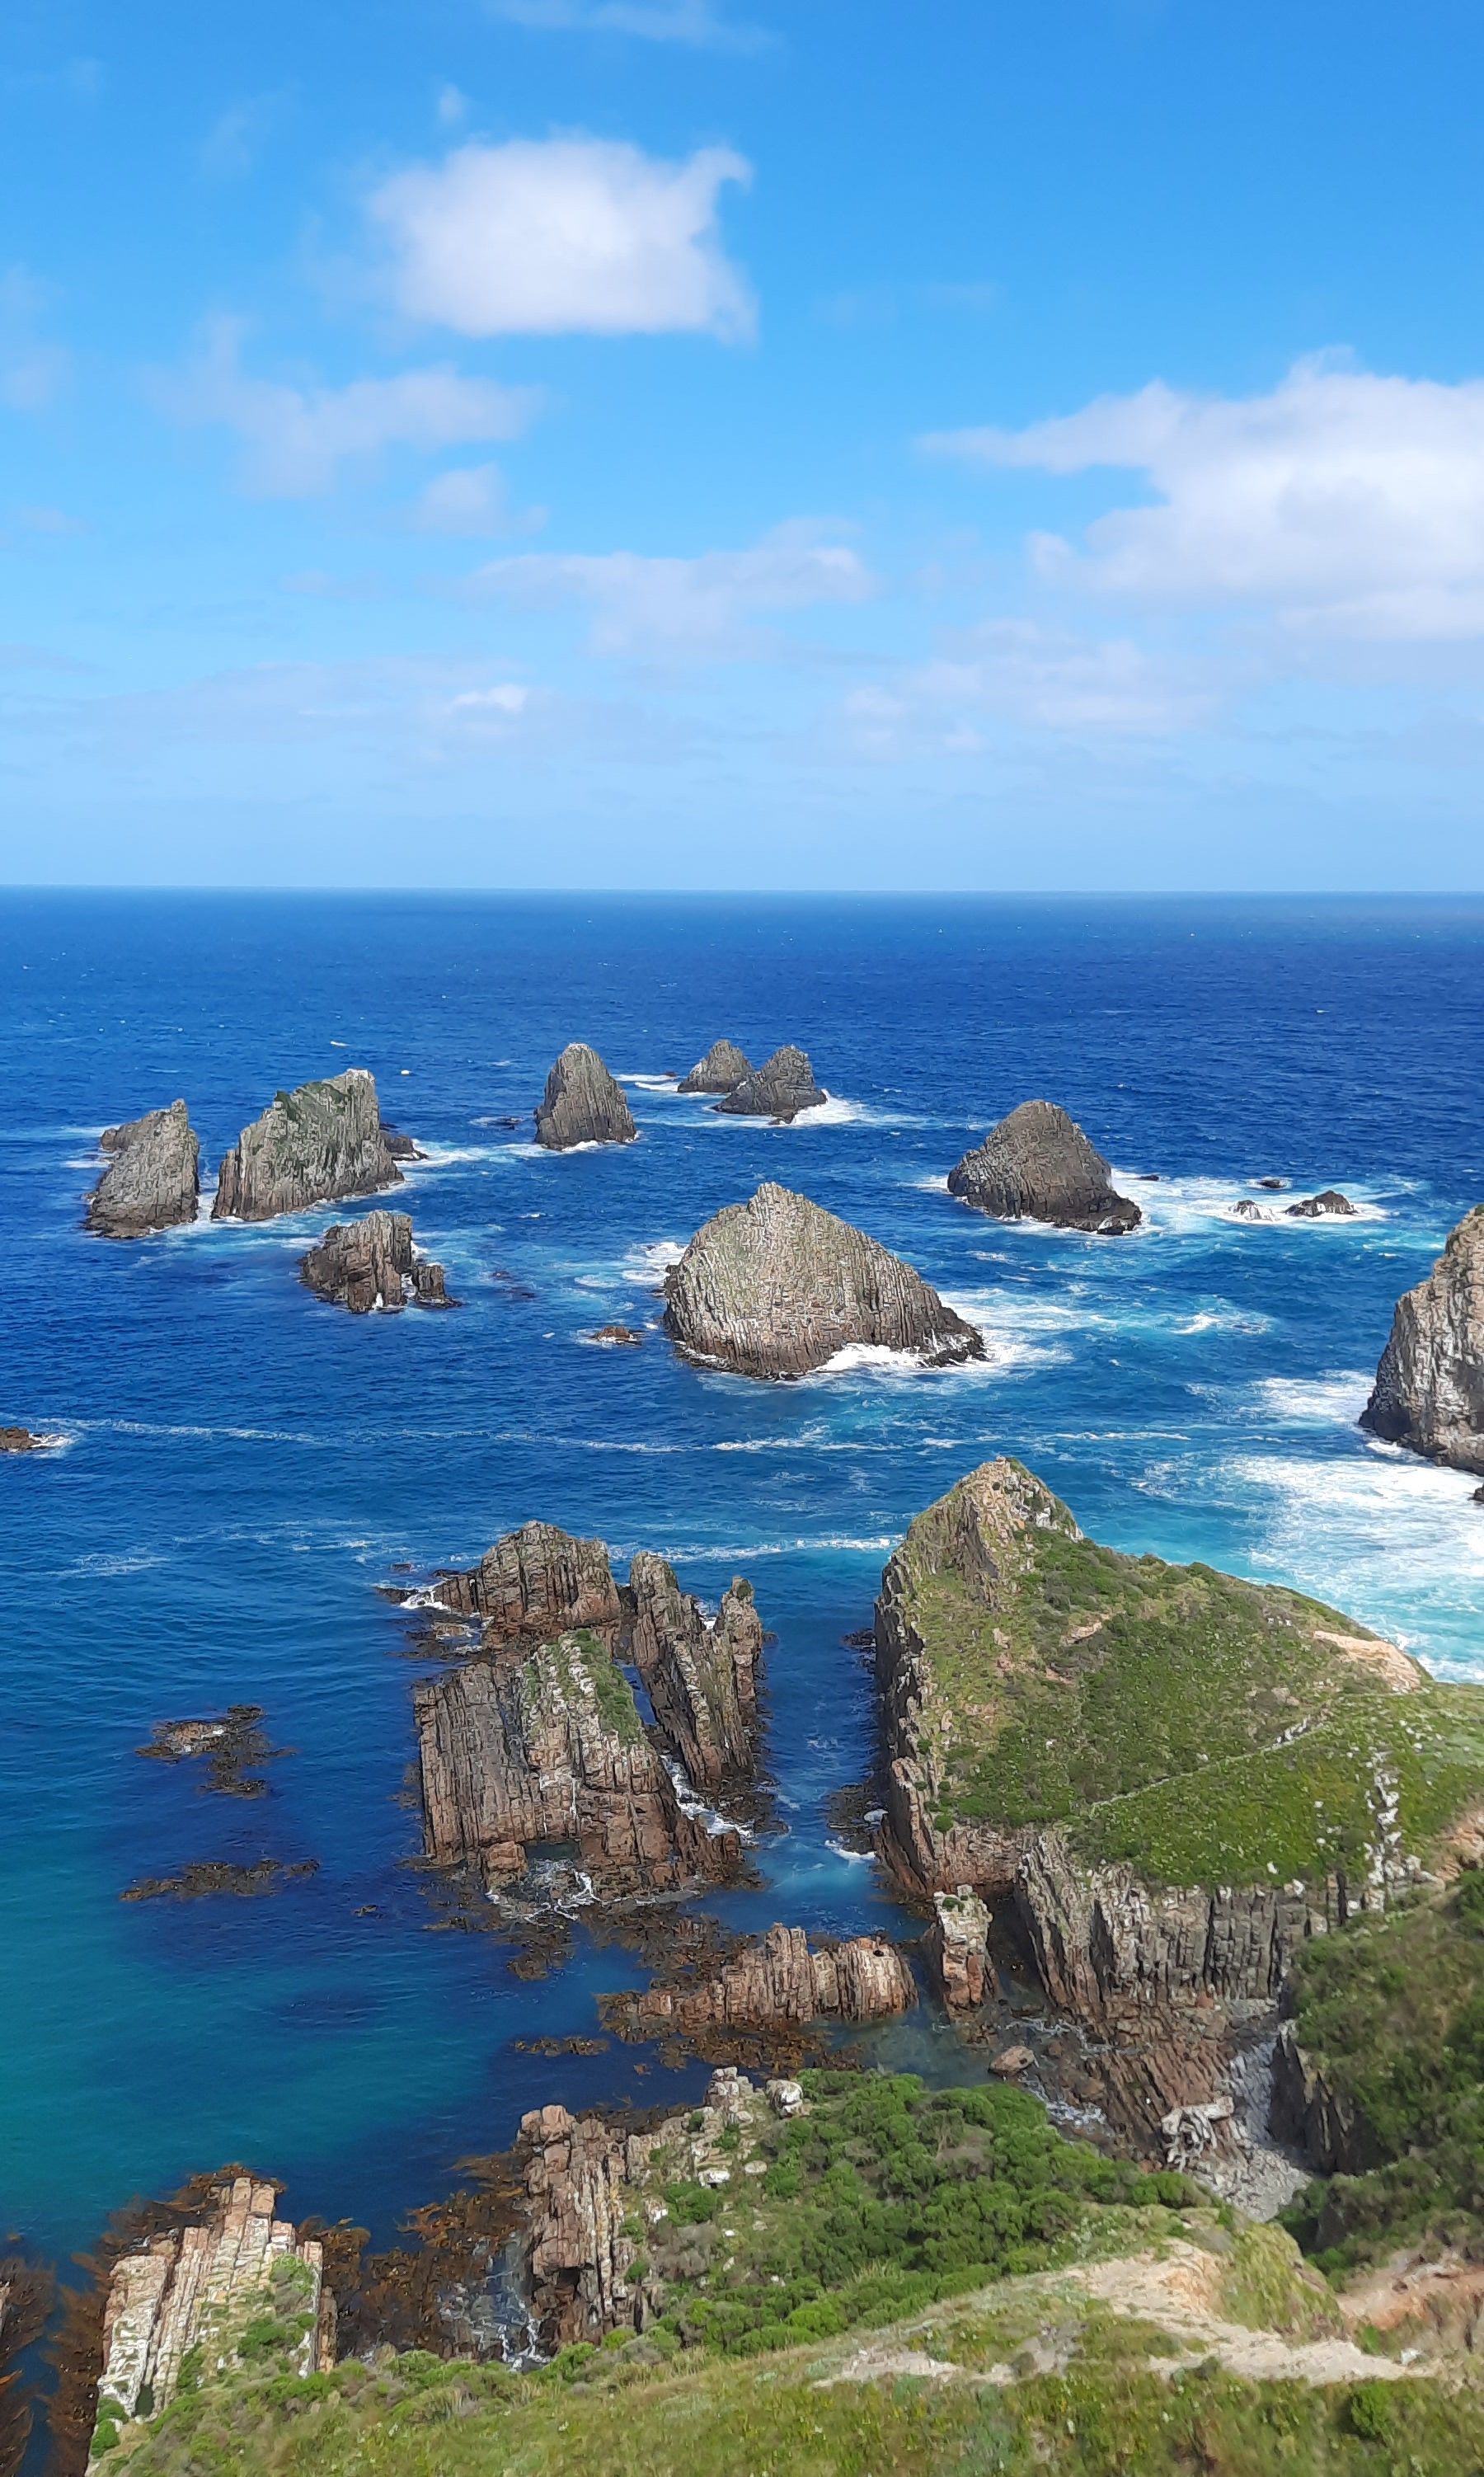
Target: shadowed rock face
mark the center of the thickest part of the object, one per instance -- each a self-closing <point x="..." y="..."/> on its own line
<point x="1037" y="1166"/>
<point x="583" y="1104"/>
<point x="776" y="1285"/>
<point x="369" y="1263"/>
<point x="780" y="1089"/>
<point x="153" y="1179"/>
<point x="700" y="1679"/>
<point x="1328" y="1205"/>
<point x="775" y="1983"/>
<point x="721" y="1071"/>
<point x="1429" y="1388"/>
<point x="312" y="1146"/>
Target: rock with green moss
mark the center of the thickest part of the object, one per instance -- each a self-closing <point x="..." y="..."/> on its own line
<point x="1429" y="1388"/>
<point x="315" y="1145"/>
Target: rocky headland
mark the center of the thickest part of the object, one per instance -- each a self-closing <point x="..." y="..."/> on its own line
<point x="583" y="1104"/>
<point x="776" y="1285"/>
<point x="153" y="1179"/>
<point x="316" y="1145"/>
<point x="721" y="1071"/>
<point x="1429" y="1387"/>
<point x="778" y="1088"/>
<point x="777" y="1985"/>
<point x="370" y="1264"/>
<point x="1038" y="1166"/>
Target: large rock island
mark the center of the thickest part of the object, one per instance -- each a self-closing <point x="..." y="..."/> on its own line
<point x="583" y="1104"/>
<point x="314" y="1145"/>
<point x="776" y="1285"/>
<point x="1037" y="1166"/>
<point x="1429" y="1388"/>
<point x="153" y="1178"/>
<point x="721" y="1071"/>
<point x="370" y="1264"/>
<point x="778" y="1088"/>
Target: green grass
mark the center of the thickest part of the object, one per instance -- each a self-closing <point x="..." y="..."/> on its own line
<point x="556" y="1670"/>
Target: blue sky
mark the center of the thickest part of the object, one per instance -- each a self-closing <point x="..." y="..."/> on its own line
<point x="692" y="444"/>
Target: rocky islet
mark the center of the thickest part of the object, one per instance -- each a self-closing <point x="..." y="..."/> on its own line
<point x="320" y="1144"/>
<point x="1429" y="1387"/>
<point x="371" y="1264"/>
<point x="1038" y="1166"/>
<point x="153" y="1179"/>
<point x="583" y="1104"/>
<point x="721" y="1071"/>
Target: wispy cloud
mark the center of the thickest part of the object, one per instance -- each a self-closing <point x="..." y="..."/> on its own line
<point x="236" y="137"/>
<point x="683" y="609"/>
<point x="1021" y="674"/>
<point x="296" y="439"/>
<point x="701" y="23"/>
<point x="472" y="499"/>
<point x="33" y="370"/>
<point x="564" y="236"/>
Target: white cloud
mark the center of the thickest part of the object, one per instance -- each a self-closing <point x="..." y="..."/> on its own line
<point x="506" y="702"/>
<point x="1015" y="671"/>
<point x="452" y="106"/>
<point x="470" y="500"/>
<point x="564" y="236"/>
<point x="232" y="144"/>
<point x="31" y="370"/>
<point x="1352" y="503"/>
<point x="296" y="439"/>
<point x="684" y="608"/>
<point x="699" y="22"/>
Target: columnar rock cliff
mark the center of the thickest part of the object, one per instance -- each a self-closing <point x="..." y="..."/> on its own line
<point x="200" y="2286"/>
<point x="535" y="1583"/>
<point x="583" y="1104"/>
<point x="370" y="1264"/>
<point x="775" y="1984"/>
<point x="154" y="1178"/>
<point x="721" y="1071"/>
<point x="315" y="1145"/>
<point x="702" y="1679"/>
<point x="779" y="1088"/>
<point x="956" y="1946"/>
<point x="1037" y="1166"/>
<point x="776" y="1286"/>
<point x="1176" y="1775"/>
<point x="1429" y="1388"/>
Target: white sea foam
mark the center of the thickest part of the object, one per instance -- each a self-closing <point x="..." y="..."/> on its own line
<point x="1324" y="1400"/>
<point x="681" y="1552"/>
<point x="1173" y="1206"/>
<point x="646" y="1263"/>
<point x="854" y="1856"/>
<point x="649" y="1083"/>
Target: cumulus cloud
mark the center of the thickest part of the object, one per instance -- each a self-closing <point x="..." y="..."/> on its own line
<point x="33" y="371"/>
<point x="684" y="608"/>
<point x="698" y="22"/>
<point x="1352" y="503"/>
<point x="564" y="236"/>
<point x="295" y="440"/>
<point x="1034" y="678"/>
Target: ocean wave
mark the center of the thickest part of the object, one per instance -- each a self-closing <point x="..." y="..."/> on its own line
<point x="650" y="1083"/>
<point x="1326" y="1400"/>
<point x="1173" y="1206"/>
<point x="654" y="1257"/>
<point x="827" y="1543"/>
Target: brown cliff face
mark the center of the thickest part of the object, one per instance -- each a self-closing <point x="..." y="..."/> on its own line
<point x="956" y="1949"/>
<point x="1037" y="1166"/>
<point x="534" y="1582"/>
<point x="702" y="1679"/>
<point x="315" y="1145"/>
<point x="777" y="1984"/>
<point x="369" y="1265"/>
<point x="1429" y="1388"/>
<point x="153" y="1179"/>
<point x="583" y="1104"/>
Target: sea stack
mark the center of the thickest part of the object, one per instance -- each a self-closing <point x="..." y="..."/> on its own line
<point x="369" y="1263"/>
<point x="1037" y="1166"/>
<point x="315" y="1145"/>
<point x="583" y="1104"/>
<point x="1328" y="1205"/>
<point x="154" y="1178"/>
<point x="1429" y="1388"/>
<point x="776" y="1285"/>
<point x="780" y="1089"/>
<point x="721" y="1071"/>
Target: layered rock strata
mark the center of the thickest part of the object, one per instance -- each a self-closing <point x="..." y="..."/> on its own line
<point x="316" y="1145"/>
<point x="956" y="1947"/>
<point x="702" y="1679"/>
<point x="776" y="1285"/>
<point x="153" y="1180"/>
<point x="775" y="1984"/>
<point x="1429" y="1387"/>
<point x="534" y="1582"/>
<point x="721" y="1071"/>
<point x="370" y="1264"/>
<point x="1037" y="1166"/>
<point x="778" y="1088"/>
<point x="583" y="1104"/>
<point x="200" y="2286"/>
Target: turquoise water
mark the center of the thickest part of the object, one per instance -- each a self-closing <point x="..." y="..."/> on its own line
<point x="244" y="1466"/>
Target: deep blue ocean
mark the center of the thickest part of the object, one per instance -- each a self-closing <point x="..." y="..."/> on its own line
<point x="245" y="1464"/>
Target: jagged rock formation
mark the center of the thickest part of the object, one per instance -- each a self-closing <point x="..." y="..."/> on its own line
<point x="154" y="1178"/>
<point x="778" y="1088"/>
<point x="1329" y="1204"/>
<point x="402" y="1148"/>
<point x="315" y="1145"/>
<point x="1321" y="2121"/>
<point x="1244" y="1210"/>
<point x="775" y="1984"/>
<point x="534" y="1584"/>
<point x="721" y="1071"/>
<point x="1178" y="1776"/>
<point x="1037" y="1166"/>
<point x="956" y="1946"/>
<point x="550" y="1750"/>
<point x="1429" y="1388"/>
<point x="369" y="1263"/>
<point x="198" y="2286"/>
<point x="776" y="1285"/>
<point x="702" y="1679"/>
<point x="583" y="1104"/>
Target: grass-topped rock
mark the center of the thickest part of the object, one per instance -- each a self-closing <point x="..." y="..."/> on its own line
<point x="1182" y="1775"/>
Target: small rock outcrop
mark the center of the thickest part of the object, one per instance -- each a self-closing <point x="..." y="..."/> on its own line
<point x="721" y="1071"/>
<point x="153" y="1180"/>
<point x="316" y="1145"/>
<point x="20" y="1441"/>
<point x="776" y="1285"/>
<point x="617" y="1337"/>
<point x="1244" y="1210"/>
<point x="956" y="1945"/>
<point x="1328" y="1205"/>
<point x="583" y="1104"/>
<point x="1429" y="1387"/>
<point x="778" y="1088"/>
<point x="700" y="1679"/>
<point x="369" y="1263"/>
<point x="775" y="1984"/>
<point x="204" y="2283"/>
<point x="1037" y="1166"/>
<point x="534" y="1584"/>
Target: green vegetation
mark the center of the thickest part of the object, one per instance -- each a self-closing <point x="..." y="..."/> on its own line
<point x="1391" y="2013"/>
<point x="1204" y="1729"/>
<point x="559" y="1668"/>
